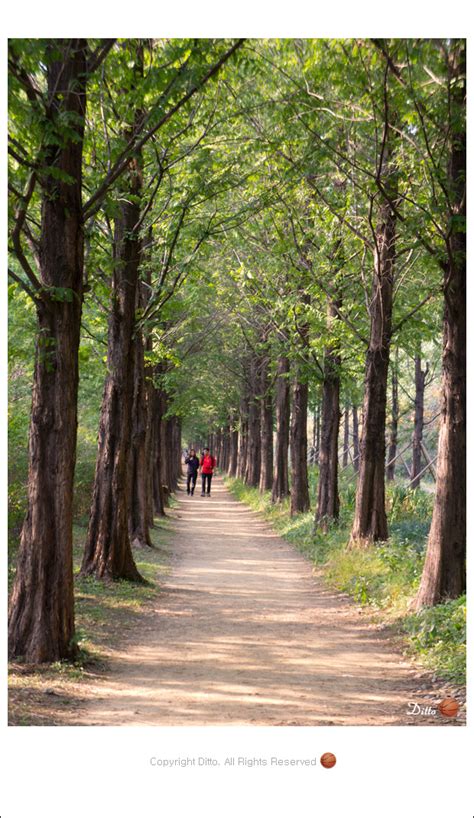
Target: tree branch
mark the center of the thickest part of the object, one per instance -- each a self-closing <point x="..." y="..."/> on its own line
<point x="134" y="145"/>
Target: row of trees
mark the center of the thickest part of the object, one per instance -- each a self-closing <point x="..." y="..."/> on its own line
<point x="229" y="224"/>
<point x="100" y="106"/>
<point x="365" y="238"/>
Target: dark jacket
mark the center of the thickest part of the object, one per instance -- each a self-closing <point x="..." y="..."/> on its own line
<point x="192" y="464"/>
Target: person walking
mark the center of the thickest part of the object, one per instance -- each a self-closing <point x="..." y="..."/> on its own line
<point x="192" y="463"/>
<point x="208" y="464"/>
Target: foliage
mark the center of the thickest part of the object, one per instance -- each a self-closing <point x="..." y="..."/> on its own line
<point x="438" y="636"/>
<point x="383" y="576"/>
<point x="259" y="208"/>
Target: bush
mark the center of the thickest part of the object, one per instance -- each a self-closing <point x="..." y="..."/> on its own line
<point x="438" y="636"/>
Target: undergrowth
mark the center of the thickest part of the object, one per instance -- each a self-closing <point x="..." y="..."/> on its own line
<point x="384" y="576"/>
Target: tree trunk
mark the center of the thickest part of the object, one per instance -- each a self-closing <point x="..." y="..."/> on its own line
<point x="252" y="475"/>
<point x="266" y="470"/>
<point x="140" y="498"/>
<point x="299" y="448"/>
<point x="157" y="420"/>
<point x="165" y="441"/>
<point x="171" y="452"/>
<point x="315" y="442"/>
<point x="345" y="452"/>
<point x="328" y="494"/>
<point x="233" y="450"/>
<point x="355" y="437"/>
<point x="226" y="459"/>
<point x="149" y="441"/>
<point x="176" y="470"/>
<point x="420" y="378"/>
<point x="108" y="553"/>
<point x="41" y="621"/>
<point x="280" y="487"/>
<point x="444" y="572"/>
<point x="370" y="519"/>
<point x="392" y="448"/>
<point x="299" y="489"/>
<point x="243" y="439"/>
<point x="216" y="449"/>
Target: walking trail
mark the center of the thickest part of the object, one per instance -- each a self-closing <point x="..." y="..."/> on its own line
<point x="244" y="633"/>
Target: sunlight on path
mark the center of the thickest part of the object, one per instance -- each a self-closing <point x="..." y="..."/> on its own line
<point x="244" y="634"/>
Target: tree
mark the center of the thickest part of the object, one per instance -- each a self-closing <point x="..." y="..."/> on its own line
<point x="280" y="486"/>
<point x="370" y="521"/>
<point x="108" y="552"/>
<point x="393" y="441"/>
<point x="420" y="378"/>
<point x="266" y="424"/>
<point x="41" y="617"/>
<point x="328" y="497"/>
<point x="444" y="572"/>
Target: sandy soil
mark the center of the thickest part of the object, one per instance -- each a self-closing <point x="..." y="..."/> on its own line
<point x="244" y="633"/>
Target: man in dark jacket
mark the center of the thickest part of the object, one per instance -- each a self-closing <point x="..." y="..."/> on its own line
<point x="192" y="463"/>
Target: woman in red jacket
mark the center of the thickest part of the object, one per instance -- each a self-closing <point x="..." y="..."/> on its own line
<point x="208" y="464"/>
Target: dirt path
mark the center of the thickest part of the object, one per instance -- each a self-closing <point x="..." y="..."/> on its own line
<point x="243" y="633"/>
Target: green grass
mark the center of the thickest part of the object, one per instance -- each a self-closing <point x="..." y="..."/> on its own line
<point x="384" y="576"/>
<point x="106" y="611"/>
<point x="106" y="615"/>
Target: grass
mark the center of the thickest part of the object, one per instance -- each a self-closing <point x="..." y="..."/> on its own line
<point x="106" y="614"/>
<point x="106" y="611"/>
<point x="383" y="576"/>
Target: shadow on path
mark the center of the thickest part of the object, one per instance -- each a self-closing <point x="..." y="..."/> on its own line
<point x="243" y="633"/>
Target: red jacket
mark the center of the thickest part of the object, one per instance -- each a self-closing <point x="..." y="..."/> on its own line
<point x="208" y="464"/>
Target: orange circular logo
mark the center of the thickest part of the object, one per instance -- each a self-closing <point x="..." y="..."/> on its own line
<point x="328" y="760"/>
<point x="449" y="708"/>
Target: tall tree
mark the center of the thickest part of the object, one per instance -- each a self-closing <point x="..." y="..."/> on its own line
<point x="254" y="452"/>
<point x="328" y="495"/>
<point x="266" y="425"/>
<point x="394" y="417"/>
<point x="420" y="378"/>
<point x="108" y="552"/>
<point x="280" y="487"/>
<point x="444" y="572"/>
<point x="41" y="622"/>
<point x="370" y="520"/>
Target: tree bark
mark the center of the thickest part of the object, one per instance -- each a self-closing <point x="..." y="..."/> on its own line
<point x="314" y="452"/>
<point x="299" y="492"/>
<point x="281" y="487"/>
<point x="355" y="437"/>
<point x="233" y="449"/>
<point x="243" y="438"/>
<point x="140" y="488"/>
<point x="299" y="489"/>
<point x="370" y="519"/>
<point x="345" y="452"/>
<point x="165" y="440"/>
<point x="177" y="448"/>
<point x="266" y="424"/>
<point x="328" y="495"/>
<point x="420" y="378"/>
<point x="41" y="620"/>
<point x="157" y="420"/>
<point x="226" y="458"/>
<point x="444" y="572"/>
<point x="393" y="442"/>
<point x="252" y="475"/>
